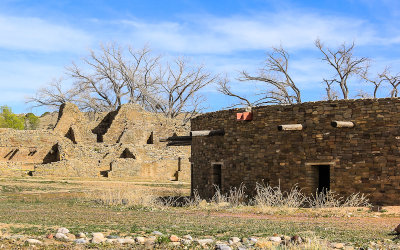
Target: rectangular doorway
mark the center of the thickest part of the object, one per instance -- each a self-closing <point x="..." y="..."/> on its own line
<point x="216" y="177"/>
<point x="323" y="180"/>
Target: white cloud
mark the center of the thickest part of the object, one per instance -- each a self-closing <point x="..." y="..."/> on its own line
<point x="28" y="33"/>
<point x="210" y="34"/>
<point x="25" y="75"/>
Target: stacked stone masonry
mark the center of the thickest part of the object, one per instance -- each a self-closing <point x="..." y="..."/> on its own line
<point x="123" y="143"/>
<point x="364" y="158"/>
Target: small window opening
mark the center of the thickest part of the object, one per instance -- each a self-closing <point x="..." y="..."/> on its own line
<point x="104" y="173"/>
<point x="150" y="139"/>
<point x="71" y="135"/>
<point x="127" y="154"/>
<point x="53" y="155"/>
<point x="8" y="153"/>
<point x="13" y="154"/>
<point x="32" y="152"/>
<point x="179" y="163"/>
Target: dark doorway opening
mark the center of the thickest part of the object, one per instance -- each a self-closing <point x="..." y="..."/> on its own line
<point x="216" y="175"/>
<point x="150" y="139"/>
<point x="324" y="178"/>
<point x="104" y="173"/>
<point x="71" y="135"/>
<point x="191" y="179"/>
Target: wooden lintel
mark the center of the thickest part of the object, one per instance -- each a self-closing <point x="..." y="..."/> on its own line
<point x="218" y="132"/>
<point x="176" y="138"/>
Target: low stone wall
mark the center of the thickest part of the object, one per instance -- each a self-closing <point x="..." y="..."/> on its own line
<point x="364" y="158"/>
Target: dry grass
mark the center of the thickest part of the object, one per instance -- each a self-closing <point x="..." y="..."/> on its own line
<point x="329" y="199"/>
<point x="122" y="195"/>
<point x="235" y="196"/>
<point x="273" y="197"/>
<point x="267" y="200"/>
<point x="267" y="196"/>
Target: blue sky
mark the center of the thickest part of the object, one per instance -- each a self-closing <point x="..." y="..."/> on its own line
<point x="39" y="38"/>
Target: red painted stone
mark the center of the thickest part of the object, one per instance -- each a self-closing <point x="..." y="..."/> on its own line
<point x="247" y="116"/>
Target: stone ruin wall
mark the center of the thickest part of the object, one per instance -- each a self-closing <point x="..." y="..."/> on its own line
<point x="122" y="144"/>
<point x="21" y="150"/>
<point x="365" y="158"/>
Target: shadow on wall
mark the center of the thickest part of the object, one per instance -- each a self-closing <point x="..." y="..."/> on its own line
<point x="126" y="154"/>
<point x="71" y="135"/>
<point x="104" y="125"/>
<point x="53" y="155"/>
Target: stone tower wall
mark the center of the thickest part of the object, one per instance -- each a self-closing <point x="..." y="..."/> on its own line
<point x="365" y="158"/>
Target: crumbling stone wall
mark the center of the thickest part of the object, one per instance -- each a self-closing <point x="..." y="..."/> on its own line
<point x="21" y="150"/>
<point x="365" y="158"/>
<point x="123" y="143"/>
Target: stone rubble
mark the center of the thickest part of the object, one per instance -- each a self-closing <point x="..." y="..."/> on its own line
<point x="157" y="240"/>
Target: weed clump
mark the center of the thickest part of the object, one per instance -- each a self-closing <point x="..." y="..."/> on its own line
<point x="265" y="196"/>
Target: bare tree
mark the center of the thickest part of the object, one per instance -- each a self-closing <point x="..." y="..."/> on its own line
<point x="363" y="94"/>
<point x="225" y="89"/>
<point x="393" y="80"/>
<point x="344" y="63"/>
<point x="113" y="76"/>
<point x="375" y="81"/>
<point x="179" y="87"/>
<point x="331" y="94"/>
<point x="53" y="95"/>
<point x="111" y="79"/>
<point x="280" y="88"/>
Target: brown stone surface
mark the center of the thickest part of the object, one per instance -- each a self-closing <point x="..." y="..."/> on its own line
<point x="365" y="158"/>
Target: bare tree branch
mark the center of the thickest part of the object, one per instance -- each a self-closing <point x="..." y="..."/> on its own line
<point x="393" y="80"/>
<point x="331" y="94"/>
<point x="53" y="95"/>
<point x="225" y="89"/>
<point x="376" y="81"/>
<point x="344" y="63"/>
<point x="179" y="86"/>
<point x="280" y="88"/>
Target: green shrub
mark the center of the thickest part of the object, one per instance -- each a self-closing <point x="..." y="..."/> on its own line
<point x="31" y="121"/>
<point x="10" y="120"/>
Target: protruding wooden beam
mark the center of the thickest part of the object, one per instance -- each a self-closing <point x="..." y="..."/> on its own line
<point x="286" y="127"/>
<point x="176" y="138"/>
<point x="342" y="124"/>
<point x="179" y="143"/>
<point x="219" y="132"/>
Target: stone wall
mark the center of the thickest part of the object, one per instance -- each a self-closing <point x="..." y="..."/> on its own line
<point x="21" y="150"/>
<point x="365" y="158"/>
<point x="123" y="143"/>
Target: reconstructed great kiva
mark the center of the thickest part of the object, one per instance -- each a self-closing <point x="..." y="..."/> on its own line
<point x="122" y="143"/>
<point x="347" y="146"/>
